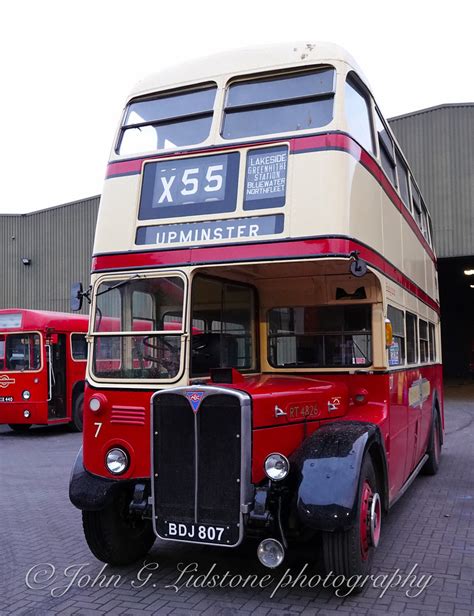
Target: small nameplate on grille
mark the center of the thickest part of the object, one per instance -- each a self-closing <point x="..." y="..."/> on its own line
<point x="199" y="533"/>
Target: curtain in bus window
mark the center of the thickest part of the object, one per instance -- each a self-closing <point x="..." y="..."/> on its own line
<point x="327" y="336"/>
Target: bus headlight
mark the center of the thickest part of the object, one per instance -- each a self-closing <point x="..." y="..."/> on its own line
<point x="270" y="553"/>
<point x="116" y="461"/>
<point x="26" y="414"/>
<point x="94" y="404"/>
<point x="26" y="395"/>
<point x="276" y="466"/>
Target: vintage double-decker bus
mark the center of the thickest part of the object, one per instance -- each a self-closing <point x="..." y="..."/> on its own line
<point x="43" y="358"/>
<point x="260" y="217"/>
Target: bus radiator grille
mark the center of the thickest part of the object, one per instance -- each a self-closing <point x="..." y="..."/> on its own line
<point x="197" y="461"/>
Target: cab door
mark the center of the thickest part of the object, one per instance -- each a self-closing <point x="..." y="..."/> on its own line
<point x="56" y="361"/>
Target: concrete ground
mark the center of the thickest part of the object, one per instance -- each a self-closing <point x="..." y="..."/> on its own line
<point x="46" y="566"/>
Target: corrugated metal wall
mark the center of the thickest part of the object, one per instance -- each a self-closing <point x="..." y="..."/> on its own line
<point x="59" y="243"/>
<point x="439" y="146"/>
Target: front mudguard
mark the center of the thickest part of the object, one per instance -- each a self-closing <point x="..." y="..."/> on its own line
<point x="92" y="493"/>
<point x="326" y="470"/>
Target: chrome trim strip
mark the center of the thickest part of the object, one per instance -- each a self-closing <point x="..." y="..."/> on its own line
<point x="246" y="488"/>
<point x="196" y="469"/>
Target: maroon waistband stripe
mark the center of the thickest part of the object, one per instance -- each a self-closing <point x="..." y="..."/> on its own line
<point x="291" y="249"/>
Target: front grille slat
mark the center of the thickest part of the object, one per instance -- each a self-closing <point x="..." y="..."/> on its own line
<point x="197" y="461"/>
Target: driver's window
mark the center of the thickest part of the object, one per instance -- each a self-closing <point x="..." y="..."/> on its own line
<point x="223" y="326"/>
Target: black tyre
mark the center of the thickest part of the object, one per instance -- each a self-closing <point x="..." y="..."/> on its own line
<point x="78" y="413"/>
<point x="116" y="538"/>
<point x="20" y="427"/>
<point x="351" y="552"/>
<point x="431" y="465"/>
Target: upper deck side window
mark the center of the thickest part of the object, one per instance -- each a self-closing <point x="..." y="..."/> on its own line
<point x="387" y="156"/>
<point x="417" y="207"/>
<point x="277" y="104"/>
<point x="357" y="105"/>
<point x="403" y="183"/>
<point x="167" y="121"/>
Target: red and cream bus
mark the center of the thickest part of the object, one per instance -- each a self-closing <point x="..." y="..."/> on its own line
<point x="260" y="217"/>
<point x="43" y="358"/>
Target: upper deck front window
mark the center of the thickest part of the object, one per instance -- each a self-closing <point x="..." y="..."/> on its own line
<point x="294" y="102"/>
<point x="167" y="121"/>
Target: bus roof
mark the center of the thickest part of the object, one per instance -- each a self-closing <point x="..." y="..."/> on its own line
<point x="246" y="60"/>
<point x="42" y="319"/>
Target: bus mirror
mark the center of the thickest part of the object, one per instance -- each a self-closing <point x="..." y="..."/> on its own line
<point x="77" y="294"/>
<point x="388" y="333"/>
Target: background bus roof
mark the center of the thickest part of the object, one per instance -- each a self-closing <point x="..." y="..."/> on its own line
<point x="243" y="61"/>
<point x="41" y="319"/>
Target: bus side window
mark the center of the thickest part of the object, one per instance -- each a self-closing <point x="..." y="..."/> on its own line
<point x="79" y="347"/>
<point x="386" y="149"/>
<point x="424" y="222"/>
<point x="412" y="338"/>
<point x="432" y="342"/>
<point x="403" y="181"/>
<point x="2" y="352"/>
<point x="396" y="352"/>
<point x="416" y="204"/>
<point x="423" y="327"/>
<point x="358" y="115"/>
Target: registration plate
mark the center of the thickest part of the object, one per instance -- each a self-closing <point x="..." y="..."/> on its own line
<point x="200" y="533"/>
<point x="6" y="398"/>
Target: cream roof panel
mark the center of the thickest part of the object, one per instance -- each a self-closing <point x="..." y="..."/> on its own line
<point x="243" y="61"/>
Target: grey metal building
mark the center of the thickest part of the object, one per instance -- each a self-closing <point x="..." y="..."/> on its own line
<point x="42" y="253"/>
<point x="439" y="145"/>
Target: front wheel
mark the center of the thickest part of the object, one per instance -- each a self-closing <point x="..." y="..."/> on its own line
<point x="115" y="537"/>
<point x="351" y="552"/>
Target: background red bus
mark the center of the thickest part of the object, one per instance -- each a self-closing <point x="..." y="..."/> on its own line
<point x="42" y="368"/>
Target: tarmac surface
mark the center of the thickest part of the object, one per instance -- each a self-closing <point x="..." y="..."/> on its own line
<point x="423" y="566"/>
